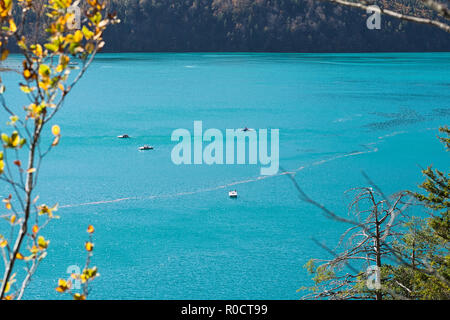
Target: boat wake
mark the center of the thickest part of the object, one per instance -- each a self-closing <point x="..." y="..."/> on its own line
<point x="370" y="149"/>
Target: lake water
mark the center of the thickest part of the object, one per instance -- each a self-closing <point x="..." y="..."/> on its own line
<point x="171" y="232"/>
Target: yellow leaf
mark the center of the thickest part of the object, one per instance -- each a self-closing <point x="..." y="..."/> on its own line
<point x="12" y="25"/>
<point x="78" y="36"/>
<point x="25" y="89"/>
<point x="44" y="70"/>
<point x="42" y="243"/>
<point x="4" y="55"/>
<point x="63" y="285"/>
<point x="90" y="229"/>
<point x="26" y="74"/>
<point x="89" y="246"/>
<point x="62" y="282"/>
<point x="31" y="170"/>
<point x="15" y="139"/>
<point x="87" y="33"/>
<point x="38" y="50"/>
<point x="56" y="130"/>
<point x="78" y="296"/>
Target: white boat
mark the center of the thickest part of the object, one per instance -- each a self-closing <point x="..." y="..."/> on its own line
<point x="233" y="194"/>
<point x="146" y="147"/>
<point x="124" y="136"/>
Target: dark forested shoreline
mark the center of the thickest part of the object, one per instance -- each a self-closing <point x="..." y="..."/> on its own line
<point x="264" y="25"/>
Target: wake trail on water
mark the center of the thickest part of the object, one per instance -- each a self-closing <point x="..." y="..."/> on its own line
<point x="231" y="184"/>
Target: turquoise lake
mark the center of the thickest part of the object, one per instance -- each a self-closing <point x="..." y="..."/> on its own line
<point x="171" y="232"/>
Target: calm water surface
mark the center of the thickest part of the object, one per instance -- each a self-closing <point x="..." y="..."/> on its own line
<point x="171" y="232"/>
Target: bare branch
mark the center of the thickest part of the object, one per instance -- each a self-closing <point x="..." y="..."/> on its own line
<point x="440" y="8"/>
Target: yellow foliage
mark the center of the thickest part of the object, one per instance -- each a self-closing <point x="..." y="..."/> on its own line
<point x="90" y="229"/>
<point x="38" y="50"/>
<point x="4" y="55"/>
<point x="12" y="25"/>
<point x="56" y="130"/>
<point x="78" y="36"/>
<point x="45" y="74"/>
<point x="63" y="285"/>
<point x="46" y="210"/>
<point x="42" y="243"/>
<point x="89" y="246"/>
<point x="89" y="274"/>
<point x="79" y="296"/>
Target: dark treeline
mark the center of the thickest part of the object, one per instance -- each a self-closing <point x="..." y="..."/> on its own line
<point x="265" y="25"/>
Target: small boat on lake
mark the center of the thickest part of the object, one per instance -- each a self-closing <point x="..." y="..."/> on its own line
<point x="146" y="147"/>
<point x="124" y="136"/>
<point x="233" y="194"/>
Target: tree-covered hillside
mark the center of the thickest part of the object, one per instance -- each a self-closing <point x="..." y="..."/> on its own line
<point x="265" y="25"/>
